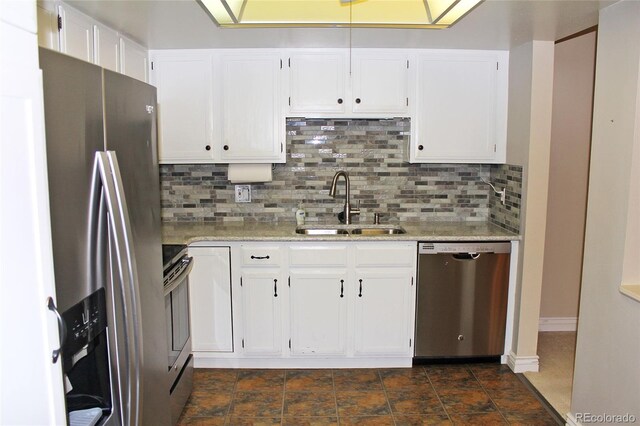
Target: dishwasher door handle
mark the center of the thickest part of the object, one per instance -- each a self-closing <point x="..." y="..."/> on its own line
<point x="466" y="256"/>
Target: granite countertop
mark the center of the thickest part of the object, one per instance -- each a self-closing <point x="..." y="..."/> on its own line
<point x="190" y="232"/>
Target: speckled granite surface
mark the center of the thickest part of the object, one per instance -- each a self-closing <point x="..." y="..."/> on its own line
<point x="190" y="232"/>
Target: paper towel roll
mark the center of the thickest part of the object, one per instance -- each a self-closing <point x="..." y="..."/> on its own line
<point x="248" y="173"/>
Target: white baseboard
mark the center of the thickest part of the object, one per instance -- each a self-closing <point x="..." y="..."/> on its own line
<point x="571" y="420"/>
<point x="558" y="324"/>
<point x="228" y="362"/>
<point x="522" y="364"/>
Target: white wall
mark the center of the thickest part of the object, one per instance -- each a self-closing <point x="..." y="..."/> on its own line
<point x="607" y="368"/>
<point x="574" y="66"/>
<point x="528" y="145"/>
<point x="30" y="384"/>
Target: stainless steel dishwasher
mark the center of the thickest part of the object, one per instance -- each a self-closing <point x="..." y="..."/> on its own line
<point x="462" y="299"/>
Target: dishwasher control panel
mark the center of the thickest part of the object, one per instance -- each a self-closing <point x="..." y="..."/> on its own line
<point x="464" y="247"/>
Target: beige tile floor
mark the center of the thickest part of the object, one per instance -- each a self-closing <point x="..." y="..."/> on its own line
<point x="555" y="378"/>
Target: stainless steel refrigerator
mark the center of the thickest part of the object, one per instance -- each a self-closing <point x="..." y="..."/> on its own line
<point x="105" y="216"/>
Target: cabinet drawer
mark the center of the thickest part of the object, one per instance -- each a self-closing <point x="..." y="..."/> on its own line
<point x="261" y="255"/>
<point x="318" y="256"/>
<point x="400" y="255"/>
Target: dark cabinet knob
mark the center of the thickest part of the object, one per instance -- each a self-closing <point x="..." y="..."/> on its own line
<point x="208" y="147"/>
<point x="339" y="100"/>
<point x="226" y="147"/>
<point x="420" y="147"/>
<point x="358" y="100"/>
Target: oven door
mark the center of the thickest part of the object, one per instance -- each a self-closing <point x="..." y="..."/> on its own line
<point x="176" y="301"/>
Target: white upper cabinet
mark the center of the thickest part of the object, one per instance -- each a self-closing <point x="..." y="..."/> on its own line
<point x="460" y="113"/>
<point x="134" y="60"/>
<point x="48" y="26"/>
<point x="317" y="82"/>
<point x="343" y="83"/>
<point x="185" y="106"/>
<point x="63" y="28"/>
<point x="379" y="82"/>
<point x="106" y="45"/>
<point x="76" y="35"/>
<point x="250" y="111"/>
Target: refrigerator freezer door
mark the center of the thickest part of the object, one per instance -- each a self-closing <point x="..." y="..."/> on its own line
<point x="131" y="133"/>
<point x="74" y="133"/>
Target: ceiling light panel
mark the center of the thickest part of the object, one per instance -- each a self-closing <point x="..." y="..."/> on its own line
<point x="356" y="13"/>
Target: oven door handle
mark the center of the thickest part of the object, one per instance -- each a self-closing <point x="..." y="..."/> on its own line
<point x="175" y="282"/>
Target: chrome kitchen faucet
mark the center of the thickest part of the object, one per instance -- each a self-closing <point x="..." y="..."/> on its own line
<point x="345" y="216"/>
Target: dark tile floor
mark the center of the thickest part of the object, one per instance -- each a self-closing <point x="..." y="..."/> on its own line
<point x="476" y="394"/>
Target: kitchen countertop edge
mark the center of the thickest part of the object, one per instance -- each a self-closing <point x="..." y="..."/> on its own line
<point x="197" y="232"/>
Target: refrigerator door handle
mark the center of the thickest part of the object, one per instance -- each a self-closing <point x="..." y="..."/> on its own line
<point x="126" y="269"/>
<point x="136" y="322"/>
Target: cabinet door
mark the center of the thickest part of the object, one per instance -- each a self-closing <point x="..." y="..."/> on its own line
<point x="185" y="107"/>
<point x="317" y="82"/>
<point x="106" y="47"/>
<point x="318" y="313"/>
<point x="458" y="117"/>
<point x="134" y="60"/>
<point x="76" y="35"/>
<point x="383" y="312"/>
<point x="47" y="28"/>
<point x="252" y="120"/>
<point x="210" y="288"/>
<point x="261" y="312"/>
<point x="379" y="83"/>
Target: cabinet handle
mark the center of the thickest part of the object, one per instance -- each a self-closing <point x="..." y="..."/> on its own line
<point x="226" y="147"/>
<point x="208" y="147"/>
<point x="260" y="257"/>
<point x="358" y="100"/>
<point x="341" y="288"/>
<point x="360" y="294"/>
<point x="420" y="147"/>
<point x="275" y="288"/>
<point x="339" y="100"/>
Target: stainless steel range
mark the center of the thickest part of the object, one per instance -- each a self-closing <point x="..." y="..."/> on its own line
<point x="177" y="265"/>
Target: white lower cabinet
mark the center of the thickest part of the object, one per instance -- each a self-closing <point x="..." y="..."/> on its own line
<point x="313" y="305"/>
<point x="318" y="313"/>
<point x="261" y="312"/>
<point x="383" y="312"/>
<point x="210" y="293"/>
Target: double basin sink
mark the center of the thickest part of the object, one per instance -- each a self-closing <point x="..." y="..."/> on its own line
<point x="369" y="230"/>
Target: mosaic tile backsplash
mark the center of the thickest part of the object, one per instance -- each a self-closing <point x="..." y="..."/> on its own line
<point x="372" y="152"/>
<point x="507" y="216"/>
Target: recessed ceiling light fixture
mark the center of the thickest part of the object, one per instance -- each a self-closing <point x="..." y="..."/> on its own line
<point x="338" y="13"/>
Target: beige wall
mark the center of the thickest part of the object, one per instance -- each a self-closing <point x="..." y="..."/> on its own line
<point x="529" y="136"/>
<point x="607" y="368"/>
<point x="568" y="175"/>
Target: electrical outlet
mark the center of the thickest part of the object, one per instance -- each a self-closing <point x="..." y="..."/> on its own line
<point x="243" y="193"/>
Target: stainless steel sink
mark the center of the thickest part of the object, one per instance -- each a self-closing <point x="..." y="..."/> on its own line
<point x="350" y="230"/>
<point x="321" y="231"/>
<point x="387" y="230"/>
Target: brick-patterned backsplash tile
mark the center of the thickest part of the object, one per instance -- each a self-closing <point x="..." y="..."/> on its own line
<point x="507" y="216"/>
<point x="372" y="151"/>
